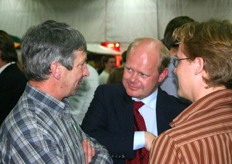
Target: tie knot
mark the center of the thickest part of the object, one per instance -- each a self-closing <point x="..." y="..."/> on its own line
<point x="137" y="104"/>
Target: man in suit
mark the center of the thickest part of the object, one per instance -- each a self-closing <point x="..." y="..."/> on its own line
<point x="110" y="117"/>
<point x="12" y="79"/>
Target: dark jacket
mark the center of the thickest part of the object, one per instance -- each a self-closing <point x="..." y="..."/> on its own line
<point x="12" y="85"/>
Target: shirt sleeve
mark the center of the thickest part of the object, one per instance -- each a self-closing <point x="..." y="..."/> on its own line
<point x="139" y="140"/>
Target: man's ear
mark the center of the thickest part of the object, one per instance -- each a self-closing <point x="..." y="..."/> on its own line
<point x="56" y="70"/>
<point x="163" y="75"/>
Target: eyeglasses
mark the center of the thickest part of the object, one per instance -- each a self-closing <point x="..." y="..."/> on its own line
<point x="176" y="61"/>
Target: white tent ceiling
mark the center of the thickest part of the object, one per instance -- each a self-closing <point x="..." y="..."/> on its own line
<point x="109" y="20"/>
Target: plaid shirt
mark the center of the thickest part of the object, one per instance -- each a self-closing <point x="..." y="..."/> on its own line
<point x="40" y="129"/>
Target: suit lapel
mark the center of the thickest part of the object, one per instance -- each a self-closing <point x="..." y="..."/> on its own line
<point x="125" y="111"/>
<point x="162" y="109"/>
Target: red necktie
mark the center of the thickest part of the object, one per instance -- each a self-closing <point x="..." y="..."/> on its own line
<point x="141" y="155"/>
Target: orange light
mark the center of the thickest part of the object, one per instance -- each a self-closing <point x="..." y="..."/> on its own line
<point x="16" y="45"/>
<point x="112" y="45"/>
<point x="118" y="60"/>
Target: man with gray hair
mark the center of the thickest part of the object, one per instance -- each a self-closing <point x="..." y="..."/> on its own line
<point x="40" y="128"/>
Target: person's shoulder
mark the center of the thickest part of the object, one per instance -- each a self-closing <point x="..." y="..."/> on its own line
<point x="111" y="91"/>
<point x="13" y="68"/>
<point x="12" y="74"/>
<point x="111" y="86"/>
<point x="117" y="87"/>
<point x="162" y="93"/>
<point x="9" y="70"/>
<point x="172" y="99"/>
<point x="20" y="112"/>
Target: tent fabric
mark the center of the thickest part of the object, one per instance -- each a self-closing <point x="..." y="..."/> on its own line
<point x="109" y="20"/>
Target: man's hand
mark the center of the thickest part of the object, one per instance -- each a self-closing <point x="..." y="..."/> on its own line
<point x="149" y="137"/>
<point x="88" y="150"/>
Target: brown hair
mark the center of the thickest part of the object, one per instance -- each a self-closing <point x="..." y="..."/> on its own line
<point x="212" y="41"/>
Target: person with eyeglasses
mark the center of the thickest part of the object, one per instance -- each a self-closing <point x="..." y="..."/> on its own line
<point x="176" y="61"/>
<point x="202" y="133"/>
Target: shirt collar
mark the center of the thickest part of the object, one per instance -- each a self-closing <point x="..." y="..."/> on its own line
<point x="204" y="105"/>
<point x="46" y="100"/>
<point x="149" y="100"/>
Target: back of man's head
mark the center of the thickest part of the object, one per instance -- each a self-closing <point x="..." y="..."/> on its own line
<point x="7" y="50"/>
<point x="170" y="28"/>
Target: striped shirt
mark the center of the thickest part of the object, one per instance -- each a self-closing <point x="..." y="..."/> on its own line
<point x="202" y="133"/>
<point x="40" y="129"/>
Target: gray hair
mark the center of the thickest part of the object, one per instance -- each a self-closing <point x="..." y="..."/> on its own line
<point x="48" y="42"/>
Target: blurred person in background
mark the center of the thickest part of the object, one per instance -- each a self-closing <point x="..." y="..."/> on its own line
<point x="170" y="84"/>
<point x="117" y="73"/>
<point x="109" y="63"/>
<point x="12" y="79"/>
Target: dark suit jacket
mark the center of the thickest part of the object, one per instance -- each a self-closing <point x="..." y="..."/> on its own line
<point x="110" y="120"/>
<point x="12" y="84"/>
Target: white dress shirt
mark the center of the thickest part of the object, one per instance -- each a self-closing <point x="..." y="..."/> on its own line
<point x="148" y="111"/>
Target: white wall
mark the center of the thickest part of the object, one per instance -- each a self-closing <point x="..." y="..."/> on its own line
<point x="109" y="20"/>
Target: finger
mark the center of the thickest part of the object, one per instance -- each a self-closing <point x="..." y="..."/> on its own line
<point x="93" y="152"/>
<point x="89" y="152"/>
<point x="85" y="149"/>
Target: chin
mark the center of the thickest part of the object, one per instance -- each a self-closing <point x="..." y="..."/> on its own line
<point x="131" y="93"/>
